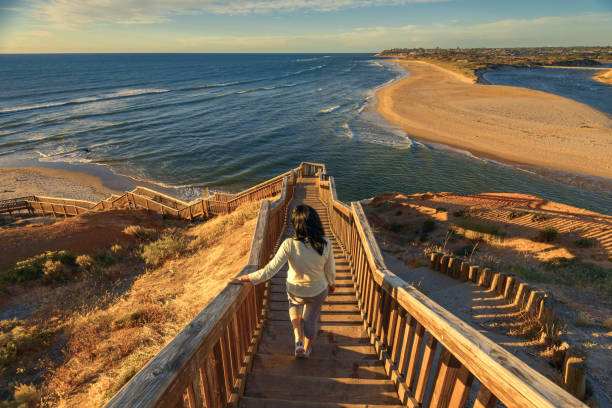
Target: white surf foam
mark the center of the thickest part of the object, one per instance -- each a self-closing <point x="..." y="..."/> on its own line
<point x="123" y="93"/>
<point x="330" y="109"/>
<point x="348" y="130"/>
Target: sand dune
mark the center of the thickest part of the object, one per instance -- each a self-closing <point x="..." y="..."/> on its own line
<point x="508" y="124"/>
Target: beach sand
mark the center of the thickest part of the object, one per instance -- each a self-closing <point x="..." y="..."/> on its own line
<point x="605" y="77"/>
<point x="507" y="124"/>
<point x="24" y="181"/>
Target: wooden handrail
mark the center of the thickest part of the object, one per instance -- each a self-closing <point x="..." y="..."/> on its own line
<point x="407" y="328"/>
<point x="159" y="202"/>
<point x="208" y="360"/>
<point x="165" y="199"/>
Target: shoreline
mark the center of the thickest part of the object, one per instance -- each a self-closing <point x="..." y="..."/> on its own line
<point x="71" y="180"/>
<point x="502" y="123"/>
<point x="604" y="77"/>
<point x="52" y="182"/>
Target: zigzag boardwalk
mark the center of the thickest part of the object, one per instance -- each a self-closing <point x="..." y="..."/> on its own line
<point x="343" y="369"/>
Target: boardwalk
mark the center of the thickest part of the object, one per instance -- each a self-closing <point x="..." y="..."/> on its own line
<point x="343" y="370"/>
<point x="381" y="343"/>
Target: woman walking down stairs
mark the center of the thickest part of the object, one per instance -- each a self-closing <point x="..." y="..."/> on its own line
<point x="343" y="369"/>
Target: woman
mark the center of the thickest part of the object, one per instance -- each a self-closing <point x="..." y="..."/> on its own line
<point x="310" y="277"/>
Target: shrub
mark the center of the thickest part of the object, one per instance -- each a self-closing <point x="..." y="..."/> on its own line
<point x="440" y="209"/>
<point x="7" y="325"/>
<point x="54" y="271"/>
<point x="116" y="249"/>
<point x="112" y="272"/>
<point x="515" y="214"/>
<point x="86" y="264"/>
<point x="428" y="226"/>
<point x="33" y="268"/>
<point x="459" y="213"/>
<point x="547" y="235"/>
<point x="169" y="245"/>
<point x="395" y="227"/>
<point x="572" y="272"/>
<point x="538" y="217"/>
<point x="105" y="258"/>
<point x="19" y="340"/>
<point x="25" y="396"/>
<point x="584" y="243"/>
<point x="141" y="233"/>
<point x="398" y="213"/>
<point x="583" y="320"/>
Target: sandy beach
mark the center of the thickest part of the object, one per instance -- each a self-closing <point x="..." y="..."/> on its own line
<point x="605" y="77"/>
<point x="24" y="181"/>
<point x="508" y="124"/>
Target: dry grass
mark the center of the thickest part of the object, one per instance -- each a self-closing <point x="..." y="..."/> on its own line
<point x="583" y="320"/>
<point x="108" y="343"/>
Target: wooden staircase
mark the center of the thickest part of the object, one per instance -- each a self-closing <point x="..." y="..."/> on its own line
<point x="343" y="370"/>
<point x="381" y="342"/>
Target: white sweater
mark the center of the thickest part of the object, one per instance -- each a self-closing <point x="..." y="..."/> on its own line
<point x="309" y="273"/>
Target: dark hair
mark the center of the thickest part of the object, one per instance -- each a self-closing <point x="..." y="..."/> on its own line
<point x="308" y="228"/>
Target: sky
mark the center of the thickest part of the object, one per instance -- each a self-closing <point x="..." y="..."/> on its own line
<point x="297" y="26"/>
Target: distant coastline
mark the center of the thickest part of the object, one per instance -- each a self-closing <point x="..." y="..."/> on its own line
<point x="475" y="62"/>
<point x="507" y="124"/>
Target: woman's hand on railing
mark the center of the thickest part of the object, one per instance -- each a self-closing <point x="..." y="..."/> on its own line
<point x="238" y="281"/>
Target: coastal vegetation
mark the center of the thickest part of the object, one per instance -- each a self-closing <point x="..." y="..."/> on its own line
<point x="92" y="320"/>
<point x="473" y="61"/>
<point x="508" y="238"/>
<point x="561" y="251"/>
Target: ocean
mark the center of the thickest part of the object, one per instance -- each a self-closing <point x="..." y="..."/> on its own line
<point x="228" y="121"/>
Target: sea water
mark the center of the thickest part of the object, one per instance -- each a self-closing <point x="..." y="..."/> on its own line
<point x="228" y="121"/>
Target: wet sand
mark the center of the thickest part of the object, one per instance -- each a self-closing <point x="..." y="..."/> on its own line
<point x="507" y="124"/>
<point x="24" y="181"/>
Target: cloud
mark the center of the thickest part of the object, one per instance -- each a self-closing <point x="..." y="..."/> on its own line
<point x="585" y="29"/>
<point x="80" y="12"/>
<point x="574" y="30"/>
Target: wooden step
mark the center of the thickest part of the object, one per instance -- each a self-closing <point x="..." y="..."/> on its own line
<point x="328" y="334"/>
<point x="320" y="389"/>
<point x="328" y="316"/>
<point x="342" y="290"/>
<point x="351" y="352"/>
<point x="348" y="307"/>
<point x="342" y="278"/>
<point x="331" y="298"/>
<point x="343" y="329"/>
<point x="249" y="402"/>
<point x="288" y="365"/>
<point x="343" y="371"/>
